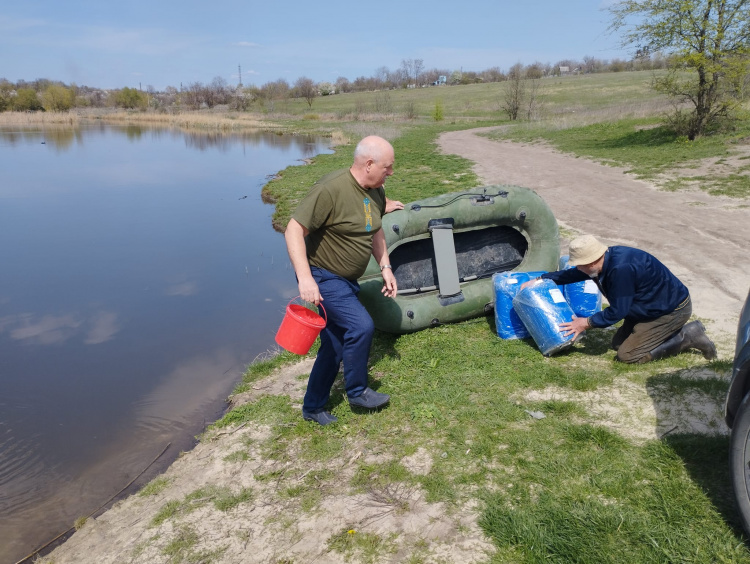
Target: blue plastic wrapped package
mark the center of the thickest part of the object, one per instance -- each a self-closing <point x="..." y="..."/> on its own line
<point x="542" y="308"/>
<point x="584" y="298"/>
<point x="507" y="284"/>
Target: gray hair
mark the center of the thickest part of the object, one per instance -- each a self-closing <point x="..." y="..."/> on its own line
<point x="371" y="147"/>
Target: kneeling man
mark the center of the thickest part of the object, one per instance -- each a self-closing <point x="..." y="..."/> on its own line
<point x="653" y="303"/>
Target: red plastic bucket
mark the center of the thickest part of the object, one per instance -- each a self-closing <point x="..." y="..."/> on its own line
<point x="299" y="328"/>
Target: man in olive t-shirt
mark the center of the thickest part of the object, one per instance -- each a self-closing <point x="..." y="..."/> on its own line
<point x="330" y="238"/>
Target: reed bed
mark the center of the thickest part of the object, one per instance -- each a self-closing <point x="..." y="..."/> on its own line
<point x="25" y="119"/>
<point x="226" y="121"/>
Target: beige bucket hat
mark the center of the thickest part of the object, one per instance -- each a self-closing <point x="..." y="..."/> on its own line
<point x="585" y="250"/>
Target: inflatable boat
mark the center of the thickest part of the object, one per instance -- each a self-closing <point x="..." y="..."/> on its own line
<point x="444" y="251"/>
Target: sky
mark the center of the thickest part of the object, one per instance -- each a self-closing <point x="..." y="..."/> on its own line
<point x="160" y="43"/>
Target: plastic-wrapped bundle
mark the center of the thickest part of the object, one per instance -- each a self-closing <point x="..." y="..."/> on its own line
<point x="542" y="308"/>
<point x="584" y="298"/>
<point x="507" y="284"/>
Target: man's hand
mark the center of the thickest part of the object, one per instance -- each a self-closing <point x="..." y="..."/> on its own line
<point x="390" y="287"/>
<point x="575" y="327"/>
<point x="393" y="205"/>
<point x="529" y="283"/>
<point x="309" y="291"/>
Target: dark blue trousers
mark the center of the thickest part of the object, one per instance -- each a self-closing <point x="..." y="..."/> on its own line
<point x="347" y="337"/>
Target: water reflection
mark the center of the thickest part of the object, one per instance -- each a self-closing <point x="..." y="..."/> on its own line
<point x="63" y="137"/>
<point x="143" y="276"/>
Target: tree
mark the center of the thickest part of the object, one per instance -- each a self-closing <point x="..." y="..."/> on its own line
<point x="710" y="38"/>
<point x="26" y="100"/>
<point x="277" y="90"/>
<point x="129" y="98"/>
<point x="326" y="88"/>
<point x="515" y="92"/>
<point x="57" y="98"/>
<point x="412" y="68"/>
<point x="305" y="88"/>
<point x="5" y="94"/>
<point x="218" y="92"/>
<point x="343" y="84"/>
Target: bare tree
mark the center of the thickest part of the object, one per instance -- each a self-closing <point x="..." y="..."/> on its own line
<point x="532" y="98"/>
<point x="218" y="91"/>
<point x="412" y="69"/>
<point x="305" y="88"/>
<point x="382" y="77"/>
<point x="515" y="91"/>
<point x="418" y="68"/>
<point x="343" y="84"/>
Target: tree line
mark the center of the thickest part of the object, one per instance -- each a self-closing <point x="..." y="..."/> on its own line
<point x="707" y="64"/>
<point x="56" y="96"/>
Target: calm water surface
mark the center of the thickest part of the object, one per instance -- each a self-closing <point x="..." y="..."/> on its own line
<point x="139" y="275"/>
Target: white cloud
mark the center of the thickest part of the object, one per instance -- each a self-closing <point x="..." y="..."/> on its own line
<point x="183" y="289"/>
<point x="49" y="330"/>
<point x="103" y="327"/>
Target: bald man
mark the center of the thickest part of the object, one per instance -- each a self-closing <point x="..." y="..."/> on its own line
<point x="330" y="238"/>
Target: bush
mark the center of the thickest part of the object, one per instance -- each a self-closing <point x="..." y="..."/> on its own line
<point x="437" y="114"/>
<point x="129" y="98"/>
<point x="57" y="98"/>
<point x="26" y="100"/>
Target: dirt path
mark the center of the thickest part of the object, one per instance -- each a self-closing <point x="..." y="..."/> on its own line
<point x="702" y="239"/>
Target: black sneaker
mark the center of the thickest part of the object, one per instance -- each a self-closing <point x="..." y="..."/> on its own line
<point x="321" y="417"/>
<point x="370" y="399"/>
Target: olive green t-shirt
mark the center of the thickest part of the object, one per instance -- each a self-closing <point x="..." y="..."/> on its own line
<point x="341" y="218"/>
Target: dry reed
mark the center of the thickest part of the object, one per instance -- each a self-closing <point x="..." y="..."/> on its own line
<point x="23" y="119"/>
<point x="188" y="120"/>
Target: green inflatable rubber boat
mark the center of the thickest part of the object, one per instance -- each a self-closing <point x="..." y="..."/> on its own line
<point x="444" y="251"/>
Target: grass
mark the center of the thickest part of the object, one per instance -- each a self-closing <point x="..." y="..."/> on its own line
<point x="222" y="498"/>
<point x="156" y="486"/>
<point x="366" y="547"/>
<point x="563" y="488"/>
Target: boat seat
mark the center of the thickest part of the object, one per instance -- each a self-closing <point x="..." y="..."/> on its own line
<point x="445" y="259"/>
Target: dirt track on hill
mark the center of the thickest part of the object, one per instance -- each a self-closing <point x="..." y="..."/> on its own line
<point x="703" y="239"/>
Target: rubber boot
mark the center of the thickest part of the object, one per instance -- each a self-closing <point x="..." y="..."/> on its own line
<point x="691" y="336"/>
<point x="696" y="338"/>
<point x="670" y="347"/>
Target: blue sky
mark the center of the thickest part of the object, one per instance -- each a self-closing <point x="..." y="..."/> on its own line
<point x="164" y="43"/>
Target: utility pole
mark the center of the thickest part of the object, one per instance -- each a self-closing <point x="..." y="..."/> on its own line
<point x="239" y="67"/>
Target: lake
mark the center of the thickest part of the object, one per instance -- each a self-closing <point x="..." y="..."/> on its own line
<point x="139" y="276"/>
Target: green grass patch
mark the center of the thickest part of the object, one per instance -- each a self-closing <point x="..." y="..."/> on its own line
<point x="222" y="498"/>
<point x="181" y="548"/>
<point x="361" y="547"/>
<point x="155" y="486"/>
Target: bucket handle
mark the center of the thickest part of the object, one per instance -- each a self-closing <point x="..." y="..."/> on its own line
<point x="325" y="315"/>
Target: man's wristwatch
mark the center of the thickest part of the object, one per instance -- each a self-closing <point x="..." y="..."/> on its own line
<point x="383" y="267"/>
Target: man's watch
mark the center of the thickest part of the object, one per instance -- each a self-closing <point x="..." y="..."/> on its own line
<point x="383" y="267"/>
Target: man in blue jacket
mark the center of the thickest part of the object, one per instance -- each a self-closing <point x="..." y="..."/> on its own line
<point x="653" y="303"/>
